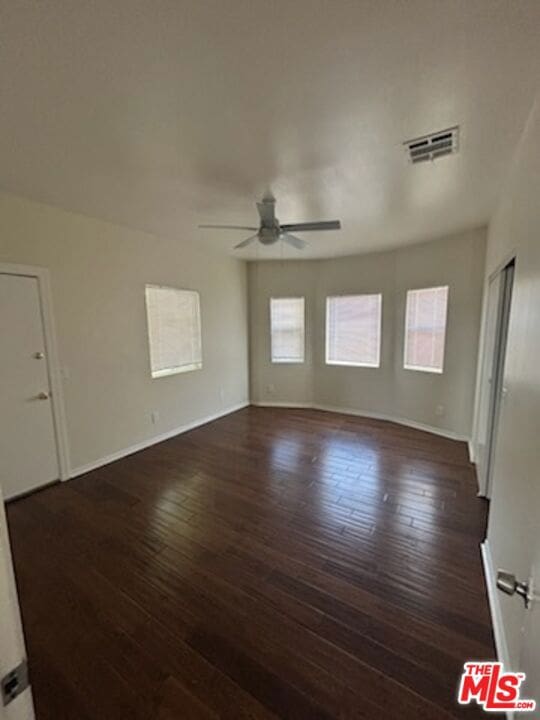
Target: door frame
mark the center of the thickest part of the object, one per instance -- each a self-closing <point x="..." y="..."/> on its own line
<point x="11" y="627"/>
<point x="512" y="256"/>
<point x="499" y="360"/>
<point x="53" y="365"/>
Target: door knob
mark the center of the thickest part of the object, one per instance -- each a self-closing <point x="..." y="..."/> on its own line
<point x="39" y="355"/>
<point x="43" y="396"/>
<point x="507" y="583"/>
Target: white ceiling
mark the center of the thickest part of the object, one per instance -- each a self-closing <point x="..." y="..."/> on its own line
<point x="162" y="115"/>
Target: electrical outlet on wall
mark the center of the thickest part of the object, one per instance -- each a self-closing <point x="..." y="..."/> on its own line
<point x="271" y="389"/>
<point x="221" y="395"/>
<point x="439" y="410"/>
<point x="154" y="416"/>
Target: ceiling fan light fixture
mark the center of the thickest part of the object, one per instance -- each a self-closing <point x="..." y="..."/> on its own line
<point x="270" y="230"/>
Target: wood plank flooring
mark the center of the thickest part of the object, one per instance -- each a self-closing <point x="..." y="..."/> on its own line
<point x="272" y="564"/>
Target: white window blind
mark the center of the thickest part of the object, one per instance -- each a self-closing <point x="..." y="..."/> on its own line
<point x="425" y="329"/>
<point x="353" y="330"/>
<point x="287" y="329"/>
<point x="174" y="330"/>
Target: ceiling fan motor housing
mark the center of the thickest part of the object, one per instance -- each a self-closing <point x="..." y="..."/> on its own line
<point x="267" y="236"/>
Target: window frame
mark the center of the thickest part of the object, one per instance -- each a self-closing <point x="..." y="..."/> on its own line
<point x="421" y="368"/>
<point x="343" y="363"/>
<point x="289" y="361"/>
<point x="179" y="369"/>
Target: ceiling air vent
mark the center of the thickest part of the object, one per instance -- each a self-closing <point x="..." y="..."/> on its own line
<point x="431" y="147"/>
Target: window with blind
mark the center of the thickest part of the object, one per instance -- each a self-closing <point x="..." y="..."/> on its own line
<point x="174" y="330"/>
<point x="287" y="330"/>
<point x="353" y="330"/>
<point x="425" y="329"/>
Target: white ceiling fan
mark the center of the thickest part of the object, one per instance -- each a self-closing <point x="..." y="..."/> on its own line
<point x="270" y="229"/>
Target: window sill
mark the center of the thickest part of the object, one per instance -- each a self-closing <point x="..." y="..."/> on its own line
<point x="287" y="362"/>
<point x="351" y="364"/>
<point x="418" y="368"/>
<point x="177" y="370"/>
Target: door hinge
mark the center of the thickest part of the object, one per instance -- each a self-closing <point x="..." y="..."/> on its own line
<point x="15" y="682"/>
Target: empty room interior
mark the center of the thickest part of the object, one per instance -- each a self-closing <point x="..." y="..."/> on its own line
<point x="270" y="387"/>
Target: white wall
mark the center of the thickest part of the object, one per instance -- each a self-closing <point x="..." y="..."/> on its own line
<point x="280" y="382"/>
<point x="514" y="521"/>
<point x="98" y="273"/>
<point x="457" y="261"/>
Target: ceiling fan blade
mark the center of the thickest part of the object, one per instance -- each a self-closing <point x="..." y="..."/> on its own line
<point x="296" y="242"/>
<point x="267" y="212"/>
<point x="247" y="241"/>
<point x="323" y="225"/>
<point x="229" y="227"/>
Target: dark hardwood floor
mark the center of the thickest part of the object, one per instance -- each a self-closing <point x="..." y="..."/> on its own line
<point x="274" y="563"/>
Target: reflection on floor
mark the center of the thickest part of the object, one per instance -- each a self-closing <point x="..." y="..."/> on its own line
<point x="274" y="563"/>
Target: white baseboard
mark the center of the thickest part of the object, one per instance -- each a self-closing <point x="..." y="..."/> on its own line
<point x="291" y="405"/>
<point x="81" y="469"/>
<point x="472" y="455"/>
<point x="153" y="440"/>
<point x="376" y="416"/>
<point x="399" y="420"/>
<point x="501" y="644"/>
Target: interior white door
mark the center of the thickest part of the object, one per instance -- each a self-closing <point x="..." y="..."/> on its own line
<point x="485" y="408"/>
<point x="28" y="453"/>
<point x="12" y="651"/>
<point x="513" y="538"/>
